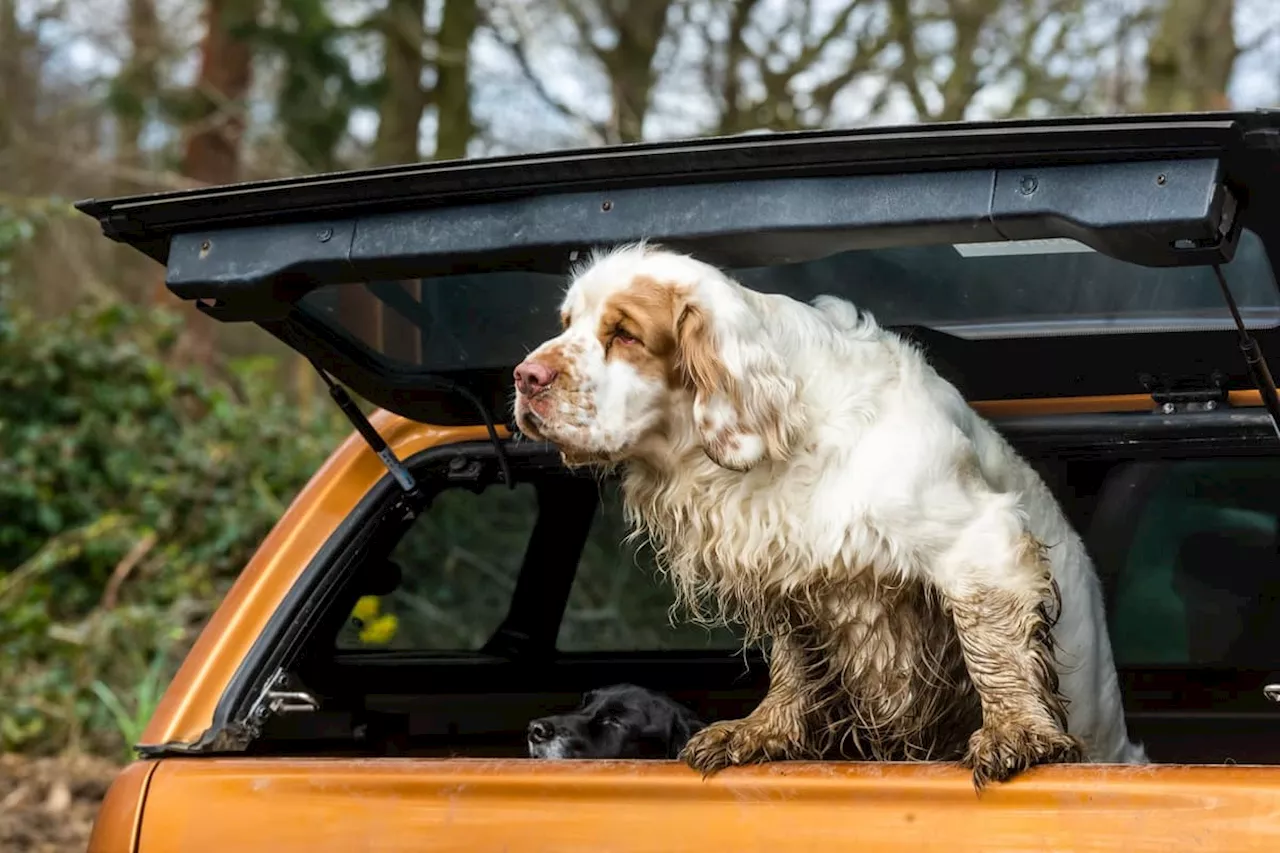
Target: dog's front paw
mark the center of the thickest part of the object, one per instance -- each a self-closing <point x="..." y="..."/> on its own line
<point x="1000" y="752"/>
<point x="711" y="749"/>
<point x="731" y="743"/>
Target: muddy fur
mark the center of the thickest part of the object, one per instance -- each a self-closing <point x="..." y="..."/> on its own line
<point x="862" y="669"/>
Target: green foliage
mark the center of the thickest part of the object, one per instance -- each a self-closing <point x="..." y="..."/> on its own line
<point x="131" y="720"/>
<point x="131" y="493"/>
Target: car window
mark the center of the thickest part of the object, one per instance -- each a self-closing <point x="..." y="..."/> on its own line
<point x="1199" y="582"/>
<point x="620" y="601"/>
<point x="459" y="564"/>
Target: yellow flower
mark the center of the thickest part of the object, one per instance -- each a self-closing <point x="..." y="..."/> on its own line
<point x="366" y="609"/>
<point x="380" y="631"/>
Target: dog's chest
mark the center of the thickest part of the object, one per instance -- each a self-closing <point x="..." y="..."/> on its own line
<point x="888" y="663"/>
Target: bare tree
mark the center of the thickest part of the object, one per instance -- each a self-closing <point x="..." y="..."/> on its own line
<point x="1191" y="56"/>
<point x="620" y="38"/>
<point x="212" y="150"/>
<point x="455" y="125"/>
<point x="138" y="84"/>
<point x="18" y="83"/>
<point x="785" y="72"/>
<point x="403" y="25"/>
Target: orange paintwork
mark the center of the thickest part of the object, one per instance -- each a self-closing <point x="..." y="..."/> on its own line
<point x="1090" y="405"/>
<point x="402" y="804"/>
<point x="394" y="804"/>
<point x="120" y="815"/>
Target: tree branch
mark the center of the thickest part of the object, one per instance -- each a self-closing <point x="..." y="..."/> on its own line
<point x="517" y="46"/>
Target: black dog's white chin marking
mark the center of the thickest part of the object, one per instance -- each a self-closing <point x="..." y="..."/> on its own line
<point x="552" y="750"/>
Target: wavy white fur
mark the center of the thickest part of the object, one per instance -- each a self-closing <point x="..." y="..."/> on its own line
<point x="805" y="472"/>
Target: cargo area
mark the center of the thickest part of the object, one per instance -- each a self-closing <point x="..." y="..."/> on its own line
<point x="498" y="605"/>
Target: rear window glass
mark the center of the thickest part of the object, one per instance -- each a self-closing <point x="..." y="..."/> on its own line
<point x="983" y="290"/>
<point x="1195" y="576"/>
<point x="621" y="601"/>
<point x="459" y="564"/>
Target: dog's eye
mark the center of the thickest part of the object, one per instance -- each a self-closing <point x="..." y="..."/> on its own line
<point x="621" y="337"/>
<point x="612" y="721"/>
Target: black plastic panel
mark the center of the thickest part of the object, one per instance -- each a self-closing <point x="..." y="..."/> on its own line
<point x="1133" y="212"/>
<point x="147" y="221"/>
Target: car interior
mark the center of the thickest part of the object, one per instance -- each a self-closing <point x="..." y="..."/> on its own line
<point x="501" y="604"/>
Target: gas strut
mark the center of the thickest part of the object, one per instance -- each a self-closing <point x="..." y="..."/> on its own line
<point x="385" y="453"/>
<point x="1253" y="356"/>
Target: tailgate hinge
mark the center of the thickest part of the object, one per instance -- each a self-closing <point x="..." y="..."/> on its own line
<point x="279" y="696"/>
<point x="1172" y="395"/>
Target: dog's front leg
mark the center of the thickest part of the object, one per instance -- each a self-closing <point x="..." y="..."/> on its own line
<point x="776" y="729"/>
<point x="998" y="586"/>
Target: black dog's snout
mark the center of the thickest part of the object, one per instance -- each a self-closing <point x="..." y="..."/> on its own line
<point x="540" y="731"/>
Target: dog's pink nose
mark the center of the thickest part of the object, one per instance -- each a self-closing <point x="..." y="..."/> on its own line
<point x="533" y="378"/>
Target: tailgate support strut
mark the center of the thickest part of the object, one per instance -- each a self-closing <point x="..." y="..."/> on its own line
<point x="1253" y="356"/>
<point x="385" y="453"/>
<point x="367" y="432"/>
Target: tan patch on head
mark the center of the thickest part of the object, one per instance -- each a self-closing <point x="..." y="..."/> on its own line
<point x="705" y="372"/>
<point x="646" y="312"/>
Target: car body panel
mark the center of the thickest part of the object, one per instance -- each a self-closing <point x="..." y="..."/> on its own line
<point x="120" y="815"/>
<point x="475" y="805"/>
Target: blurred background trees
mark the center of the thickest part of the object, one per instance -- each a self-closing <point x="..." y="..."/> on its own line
<point x="123" y="510"/>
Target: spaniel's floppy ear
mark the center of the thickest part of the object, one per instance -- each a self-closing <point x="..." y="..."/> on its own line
<point x="745" y="405"/>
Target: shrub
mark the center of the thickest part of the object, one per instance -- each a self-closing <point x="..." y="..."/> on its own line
<point x="131" y="493"/>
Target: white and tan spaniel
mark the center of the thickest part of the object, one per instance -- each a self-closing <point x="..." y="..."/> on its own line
<point x="806" y="473"/>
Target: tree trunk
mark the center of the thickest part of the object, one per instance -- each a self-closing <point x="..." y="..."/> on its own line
<point x="16" y="88"/>
<point x="400" y="113"/>
<point x="212" y="152"/>
<point x="454" y="125"/>
<point x="969" y="17"/>
<point x="1191" y="57"/>
<point x="629" y="64"/>
<point x="139" y="80"/>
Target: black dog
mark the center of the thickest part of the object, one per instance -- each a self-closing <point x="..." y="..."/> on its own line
<point x="619" y="721"/>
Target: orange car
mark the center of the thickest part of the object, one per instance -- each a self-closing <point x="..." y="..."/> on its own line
<point x="368" y="681"/>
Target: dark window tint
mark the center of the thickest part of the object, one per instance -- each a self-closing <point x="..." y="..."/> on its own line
<point x="459" y="564"/>
<point x="1193" y="566"/>
<point x="620" y="601"/>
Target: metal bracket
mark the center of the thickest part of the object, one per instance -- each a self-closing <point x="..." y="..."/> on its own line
<point x="279" y="697"/>
<point x="1171" y="396"/>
